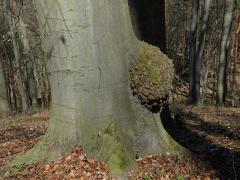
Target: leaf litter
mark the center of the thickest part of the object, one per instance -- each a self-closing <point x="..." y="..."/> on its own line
<point x="19" y="133"/>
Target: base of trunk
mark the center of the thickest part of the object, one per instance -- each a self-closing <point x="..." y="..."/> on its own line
<point x="110" y="145"/>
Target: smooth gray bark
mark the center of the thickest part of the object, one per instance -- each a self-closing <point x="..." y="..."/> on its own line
<point x="89" y="45"/>
<point x="194" y="91"/>
<point x="3" y="93"/>
<point x="3" y="90"/>
<point x="223" y="60"/>
<point x="196" y="51"/>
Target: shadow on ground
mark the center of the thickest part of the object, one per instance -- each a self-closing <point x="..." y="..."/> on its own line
<point x="211" y="140"/>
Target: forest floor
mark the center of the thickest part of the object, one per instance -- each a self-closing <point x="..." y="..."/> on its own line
<point x="211" y="134"/>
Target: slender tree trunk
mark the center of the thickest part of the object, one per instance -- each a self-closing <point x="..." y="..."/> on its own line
<point x="223" y="61"/>
<point x="200" y="50"/>
<point x="38" y="79"/>
<point x="194" y="93"/>
<point x="17" y="63"/>
<point x="4" y="106"/>
<point x="3" y="93"/>
<point x="28" y="82"/>
<point x="235" y="54"/>
<point x="197" y="49"/>
<point x="205" y="80"/>
<point x="89" y="45"/>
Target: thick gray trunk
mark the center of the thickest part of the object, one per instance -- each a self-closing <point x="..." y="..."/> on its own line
<point x="222" y="67"/>
<point x="89" y="46"/>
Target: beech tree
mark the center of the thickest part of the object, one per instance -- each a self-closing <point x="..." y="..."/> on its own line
<point x="194" y="86"/>
<point x="223" y="60"/>
<point x="3" y="93"/>
<point x="196" y="50"/>
<point x="89" y="46"/>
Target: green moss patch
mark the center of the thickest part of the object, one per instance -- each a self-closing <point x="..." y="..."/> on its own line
<point x="151" y="75"/>
<point x="111" y="150"/>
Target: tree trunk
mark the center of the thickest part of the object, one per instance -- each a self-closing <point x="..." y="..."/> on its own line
<point x="235" y="55"/>
<point x="194" y="93"/>
<point x="89" y="45"/>
<point x="196" y="50"/>
<point x="200" y="50"/>
<point x="3" y="93"/>
<point x="37" y="79"/>
<point x="222" y="67"/>
<point x="17" y="65"/>
<point x="28" y="85"/>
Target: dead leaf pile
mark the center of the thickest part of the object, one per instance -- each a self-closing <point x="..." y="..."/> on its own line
<point x="212" y="135"/>
<point x="75" y="165"/>
<point x="18" y="134"/>
<point x="170" y="167"/>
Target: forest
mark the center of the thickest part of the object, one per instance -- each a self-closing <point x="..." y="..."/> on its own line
<point x="120" y="89"/>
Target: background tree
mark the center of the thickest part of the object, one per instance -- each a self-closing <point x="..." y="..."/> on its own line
<point x="200" y="51"/>
<point x="3" y="93"/>
<point x="194" y="65"/>
<point x="22" y="57"/>
<point x="223" y="61"/>
<point x="178" y="18"/>
<point x="196" y="50"/>
<point x="235" y="56"/>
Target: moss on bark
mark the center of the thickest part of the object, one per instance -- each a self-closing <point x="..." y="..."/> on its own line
<point x="111" y="150"/>
<point x="151" y="75"/>
<point x="91" y="103"/>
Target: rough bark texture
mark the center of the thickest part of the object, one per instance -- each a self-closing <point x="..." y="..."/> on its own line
<point x="89" y="45"/>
